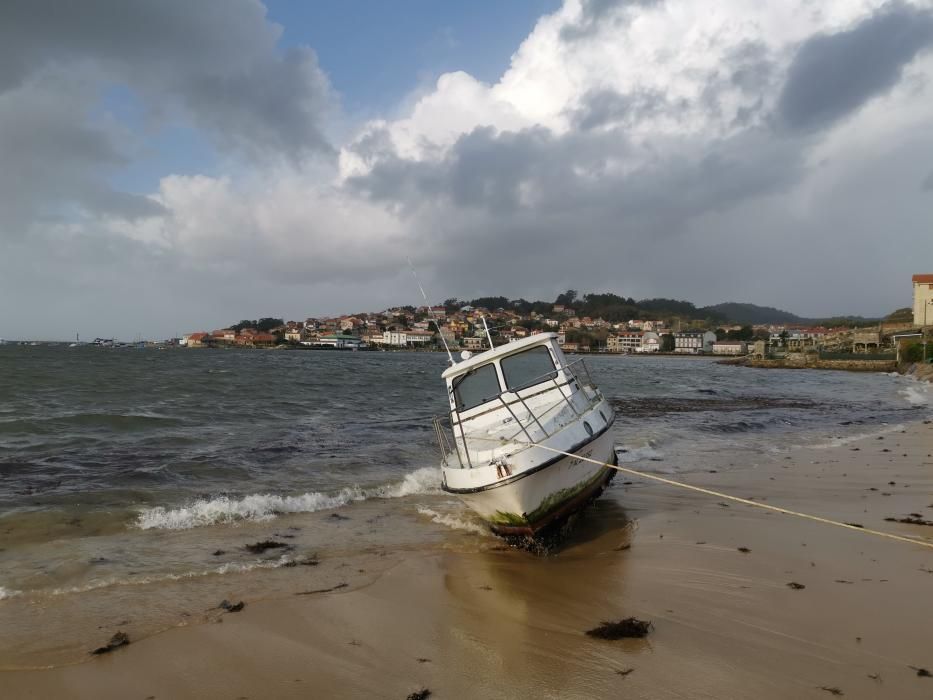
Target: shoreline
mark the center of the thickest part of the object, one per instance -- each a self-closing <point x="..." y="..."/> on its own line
<point x="503" y="623"/>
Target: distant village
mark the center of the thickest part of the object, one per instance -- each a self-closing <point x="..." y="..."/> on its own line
<point x="468" y="326"/>
<point x="463" y="327"/>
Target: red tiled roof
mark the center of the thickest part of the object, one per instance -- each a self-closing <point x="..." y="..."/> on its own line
<point x="923" y="279"/>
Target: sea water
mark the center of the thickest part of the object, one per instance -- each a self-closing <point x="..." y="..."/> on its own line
<point x="141" y="475"/>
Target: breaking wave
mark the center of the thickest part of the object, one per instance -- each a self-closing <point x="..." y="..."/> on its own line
<point x="453" y="522"/>
<point x="7" y="593"/>
<point x="841" y="440"/>
<point x="916" y="394"/>
<point x="267" y="506"/>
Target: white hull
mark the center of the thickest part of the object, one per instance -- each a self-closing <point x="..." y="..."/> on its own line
<point x="529" y="501"/>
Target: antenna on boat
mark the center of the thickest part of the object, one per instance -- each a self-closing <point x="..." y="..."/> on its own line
<point x="488" y="336"/>
<point x="414" y="274"/>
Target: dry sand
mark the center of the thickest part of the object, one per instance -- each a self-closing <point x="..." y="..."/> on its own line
<point x="506" y="624"/>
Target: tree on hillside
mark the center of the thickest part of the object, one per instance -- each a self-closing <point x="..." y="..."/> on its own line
<point x="745" y="333"/>
<point x="491" y="303"/>
<point x="567" y="298"/>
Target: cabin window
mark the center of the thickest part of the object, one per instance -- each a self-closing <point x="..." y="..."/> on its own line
<point x="527" y="368"/>
<point x="476" y="387"/>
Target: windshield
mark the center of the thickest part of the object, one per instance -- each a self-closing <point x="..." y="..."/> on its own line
<point x="532" y="366"/>
<point x="476" y="387"/>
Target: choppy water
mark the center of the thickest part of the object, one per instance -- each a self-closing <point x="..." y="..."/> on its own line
<point x="122" y="469"/>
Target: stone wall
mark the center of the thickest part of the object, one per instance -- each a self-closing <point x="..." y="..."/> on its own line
<point x="810" y="361"/>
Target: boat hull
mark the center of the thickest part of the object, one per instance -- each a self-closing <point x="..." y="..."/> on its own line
<point x="528" y="504"/>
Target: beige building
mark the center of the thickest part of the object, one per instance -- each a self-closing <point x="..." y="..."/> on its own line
<point x="923" y="300"/>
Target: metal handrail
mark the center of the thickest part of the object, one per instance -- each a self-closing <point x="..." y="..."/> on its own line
<point x="578" y="373"/>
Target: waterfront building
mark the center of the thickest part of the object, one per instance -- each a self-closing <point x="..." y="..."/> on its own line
<point x="694" y="342"/>
<point x="730" y="347"/>
<point x="923" y="300"/>
<point x="626" y="341"/>
<point x="650" y="342"/>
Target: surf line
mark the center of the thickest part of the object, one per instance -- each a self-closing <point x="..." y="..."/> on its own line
<point x="719" y="494"/>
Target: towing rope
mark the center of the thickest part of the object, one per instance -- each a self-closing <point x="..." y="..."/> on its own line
<point x="718" y="494"/>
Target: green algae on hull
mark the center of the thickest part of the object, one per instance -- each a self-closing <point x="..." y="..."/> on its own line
<point x="550" y="503"/>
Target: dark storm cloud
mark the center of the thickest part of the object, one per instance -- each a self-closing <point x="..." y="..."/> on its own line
<point x="211" y="64"/>
<point x="215" y="59"/>
<point x="927" y="184"/>
<point x="548" y="182"/>
<point x="606" y="107"/>
<point x="833" y="75"/>
<point x="53" y="159"/>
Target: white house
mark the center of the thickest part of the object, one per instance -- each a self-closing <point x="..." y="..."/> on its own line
<point x="650" y="342"/>
<point x="923" y="300"/>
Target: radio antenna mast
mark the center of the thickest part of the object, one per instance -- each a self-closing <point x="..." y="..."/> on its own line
<point x="414" y="274"/>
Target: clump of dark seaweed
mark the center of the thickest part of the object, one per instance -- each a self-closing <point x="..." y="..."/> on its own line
<point x="231" y="607"/>
<point x="628" y="628"/>
<point x="120" y="639"/>
<point x="263" y="545"/>
<point x="796" y="586"/>
<point x="910" y="520"/>
<point x="422" y="694"/>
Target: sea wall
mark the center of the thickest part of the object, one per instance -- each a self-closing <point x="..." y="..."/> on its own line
<point x="812" y="361"/>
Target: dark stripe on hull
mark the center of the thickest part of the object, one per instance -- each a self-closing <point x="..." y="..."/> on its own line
<point x="544" y="465"/>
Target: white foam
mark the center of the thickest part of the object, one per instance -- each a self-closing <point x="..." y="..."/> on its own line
<point x="267" y="506"/>
<point x="627" y="454"/>
<point x="839" y="441"/>
<point x="229" y="568"/>
<point x="453" y="522"/>
<point x="916" y="394"/>
<point x="8" y="593"/>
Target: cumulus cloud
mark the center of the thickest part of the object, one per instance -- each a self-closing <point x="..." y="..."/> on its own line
<point x="742" y="151"/>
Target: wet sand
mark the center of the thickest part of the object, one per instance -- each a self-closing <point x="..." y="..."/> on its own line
<point x="501" y="623"/>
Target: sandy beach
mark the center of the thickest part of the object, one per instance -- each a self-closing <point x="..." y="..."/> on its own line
<point x="502" y="623"/>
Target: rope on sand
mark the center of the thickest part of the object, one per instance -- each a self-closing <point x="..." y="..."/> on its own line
<point x="718" y="494"/>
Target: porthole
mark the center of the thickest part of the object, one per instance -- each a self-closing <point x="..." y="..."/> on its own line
<point x="603" y="416"/>
<point x="588" y="427"/>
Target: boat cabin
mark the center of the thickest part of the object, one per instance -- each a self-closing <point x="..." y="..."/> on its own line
<point x="513" y="395"/>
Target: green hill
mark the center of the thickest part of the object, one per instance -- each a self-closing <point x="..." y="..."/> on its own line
<point x="752" y="313"/>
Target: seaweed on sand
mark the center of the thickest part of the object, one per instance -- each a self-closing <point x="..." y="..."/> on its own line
<point x="910" y="521"/>
<point x="628" y="628"/>
<point x="262" y="546"/>
<point x="422" y="694"/>
<point x="120" y="639"/>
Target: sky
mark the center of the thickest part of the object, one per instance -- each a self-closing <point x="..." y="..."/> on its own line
<point x="172" y="166"/>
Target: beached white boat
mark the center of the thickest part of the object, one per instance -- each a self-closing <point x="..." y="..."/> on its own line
<point x="507" y="406"/>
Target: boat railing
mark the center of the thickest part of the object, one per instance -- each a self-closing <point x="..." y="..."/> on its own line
<point x="574" y="375"/>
